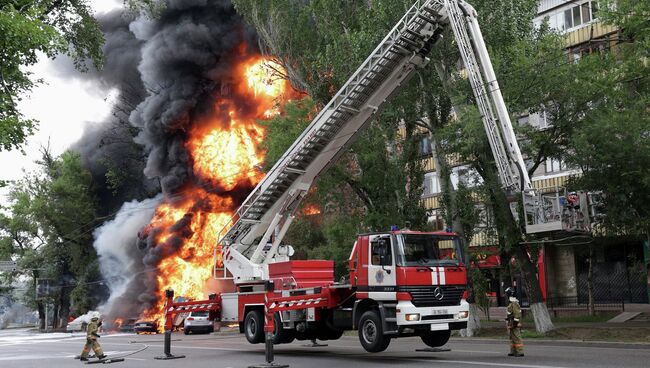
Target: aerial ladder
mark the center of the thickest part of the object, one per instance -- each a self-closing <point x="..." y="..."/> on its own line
<point x="253" y="237"/>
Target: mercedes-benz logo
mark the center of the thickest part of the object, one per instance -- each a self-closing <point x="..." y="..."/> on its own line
<point x="438" y="294"/>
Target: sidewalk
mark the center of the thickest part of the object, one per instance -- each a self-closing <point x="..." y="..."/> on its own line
<point x="636" y="330"/>
<point x="499" y="313"/>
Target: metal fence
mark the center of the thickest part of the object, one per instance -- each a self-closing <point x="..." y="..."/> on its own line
<point x="579" y="303"/>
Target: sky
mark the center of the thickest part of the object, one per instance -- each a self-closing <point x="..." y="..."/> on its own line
<point x="63" y="106"/>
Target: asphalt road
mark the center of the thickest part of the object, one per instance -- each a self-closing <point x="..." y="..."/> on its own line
<point x="20" y="348"/>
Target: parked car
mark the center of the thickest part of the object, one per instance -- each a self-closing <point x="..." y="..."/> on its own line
<point x="146" y="326"/>
<point x="198" y="321"/>
<point x="80" y="323"/>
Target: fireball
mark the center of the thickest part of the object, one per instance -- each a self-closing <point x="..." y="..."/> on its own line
<point x="225" y="155"/>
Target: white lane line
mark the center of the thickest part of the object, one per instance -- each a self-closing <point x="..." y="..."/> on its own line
<point x="476" y="351"/>
<point x="469" y="362"/>
<point x="202" y="348"/>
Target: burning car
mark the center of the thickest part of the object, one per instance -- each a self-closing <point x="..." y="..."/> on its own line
<point x="146" y="326"/>
<point x="128" y="325"/>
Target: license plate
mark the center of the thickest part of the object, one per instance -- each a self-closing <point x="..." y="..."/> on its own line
<point x="439" y="326"/>
<point x="437" y="312"/>
<point x="142" y="325"/>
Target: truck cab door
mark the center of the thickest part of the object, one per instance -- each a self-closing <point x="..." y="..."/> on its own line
<point x="381" y="268"/>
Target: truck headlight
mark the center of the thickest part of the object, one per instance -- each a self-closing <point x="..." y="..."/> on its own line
<point x="463" y="314"/>
<point x="412" y="317"/>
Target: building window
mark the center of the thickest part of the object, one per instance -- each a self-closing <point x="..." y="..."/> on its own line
<point x="554" y="165"/>
<point x="425" y="146"/>
<point x="431" y="184"/>
<point x="578" y="14"/>
<point x="436" y="219"/>
<point x="465" y="175"/>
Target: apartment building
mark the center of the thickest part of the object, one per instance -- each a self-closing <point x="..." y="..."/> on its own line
<point x="621" y="271"/>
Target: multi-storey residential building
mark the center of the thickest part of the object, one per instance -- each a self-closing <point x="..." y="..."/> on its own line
<point x="620" y="272"/>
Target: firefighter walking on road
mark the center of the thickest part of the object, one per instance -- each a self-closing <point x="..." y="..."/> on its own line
<point x="91" y="339"/>
<point x="513" y="323"/>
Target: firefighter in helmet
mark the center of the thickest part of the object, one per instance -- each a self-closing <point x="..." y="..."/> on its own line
<point x="513" y="323"/>
<point x="91" y="339"/>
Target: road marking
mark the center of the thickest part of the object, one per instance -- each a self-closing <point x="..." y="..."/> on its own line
<point x="476" y="351"/>
<point x="469" y="362"/>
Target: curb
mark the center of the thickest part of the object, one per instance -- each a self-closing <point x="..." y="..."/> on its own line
<point x="532" y="341"/>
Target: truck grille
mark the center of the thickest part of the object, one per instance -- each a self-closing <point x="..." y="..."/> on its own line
<point x="424" y="296"/>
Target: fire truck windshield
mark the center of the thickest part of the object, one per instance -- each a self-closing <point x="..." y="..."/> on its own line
<point x="427" y="250"/>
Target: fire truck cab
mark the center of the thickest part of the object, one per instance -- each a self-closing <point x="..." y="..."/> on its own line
<point x="413" y="283"/>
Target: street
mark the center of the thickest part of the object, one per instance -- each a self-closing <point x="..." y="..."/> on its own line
<point x="19" y="348"/>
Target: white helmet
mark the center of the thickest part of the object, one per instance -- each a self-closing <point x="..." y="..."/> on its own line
<point x="94" y="316"/>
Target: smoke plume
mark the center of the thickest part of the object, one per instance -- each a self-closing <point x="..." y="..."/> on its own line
<point x="167" y="73"/>
<point x="115" y="242"/>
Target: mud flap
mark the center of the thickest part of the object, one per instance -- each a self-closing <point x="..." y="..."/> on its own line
<point x="388" y="318"/>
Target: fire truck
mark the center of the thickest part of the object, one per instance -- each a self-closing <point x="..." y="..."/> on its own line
<point x="400" y="282"/>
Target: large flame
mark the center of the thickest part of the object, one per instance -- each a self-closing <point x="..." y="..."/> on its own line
<point x="225" y="155"/>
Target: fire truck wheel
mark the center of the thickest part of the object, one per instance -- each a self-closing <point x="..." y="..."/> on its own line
<point x="254" y="327"/>
<point x="371" y="333"/>
<point x="436" y="339"/>
<point x="281" y="335"/>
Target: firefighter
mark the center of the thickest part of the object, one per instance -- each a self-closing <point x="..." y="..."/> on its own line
<point x="513" y="323"/>
<point x="91" y="339"/>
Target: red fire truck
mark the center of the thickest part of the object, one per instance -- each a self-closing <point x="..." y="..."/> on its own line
<point x="401" y="283"/>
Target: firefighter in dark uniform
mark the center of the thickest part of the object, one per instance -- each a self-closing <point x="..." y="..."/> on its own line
<point x="91" y="339"/>
<point x="513" y="322"/>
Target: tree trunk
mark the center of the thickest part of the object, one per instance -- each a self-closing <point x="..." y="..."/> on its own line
<point x="543" y="323"/>
<point x="474" y="323"/>
<point x="541" y="316"/>
<point x="64" y="311"/>
<point x="55" y="316"/>
<point x="41" y="316"/>
<point x="590" y="283"/>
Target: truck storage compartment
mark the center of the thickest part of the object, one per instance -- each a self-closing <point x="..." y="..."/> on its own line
<point x="302" y="273"/>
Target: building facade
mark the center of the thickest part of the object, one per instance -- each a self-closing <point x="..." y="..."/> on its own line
<point x="621" y="264"/>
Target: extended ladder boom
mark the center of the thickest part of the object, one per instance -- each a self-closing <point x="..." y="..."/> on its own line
<point x="253" y="237"/>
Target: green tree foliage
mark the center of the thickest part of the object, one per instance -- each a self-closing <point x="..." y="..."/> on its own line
<point x="612" y="144"/>
<point x="48" y="228"/>
<point x="31" y="28"/>
<point x="282" y="130"/>
<point x="151" y="8"/>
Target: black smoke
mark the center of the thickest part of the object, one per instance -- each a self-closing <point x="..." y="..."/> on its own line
<point x="167" y="73"/>
<point x="188" y="53"/>
<point x="108" y="149"/>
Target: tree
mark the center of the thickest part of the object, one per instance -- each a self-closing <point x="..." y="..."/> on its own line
<point x="29" y="28"/>
<point x="151" y="8"/>
<point x="20" y="238"/>
<point x="49" y="229"/>
<point x="612" y="146"/>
